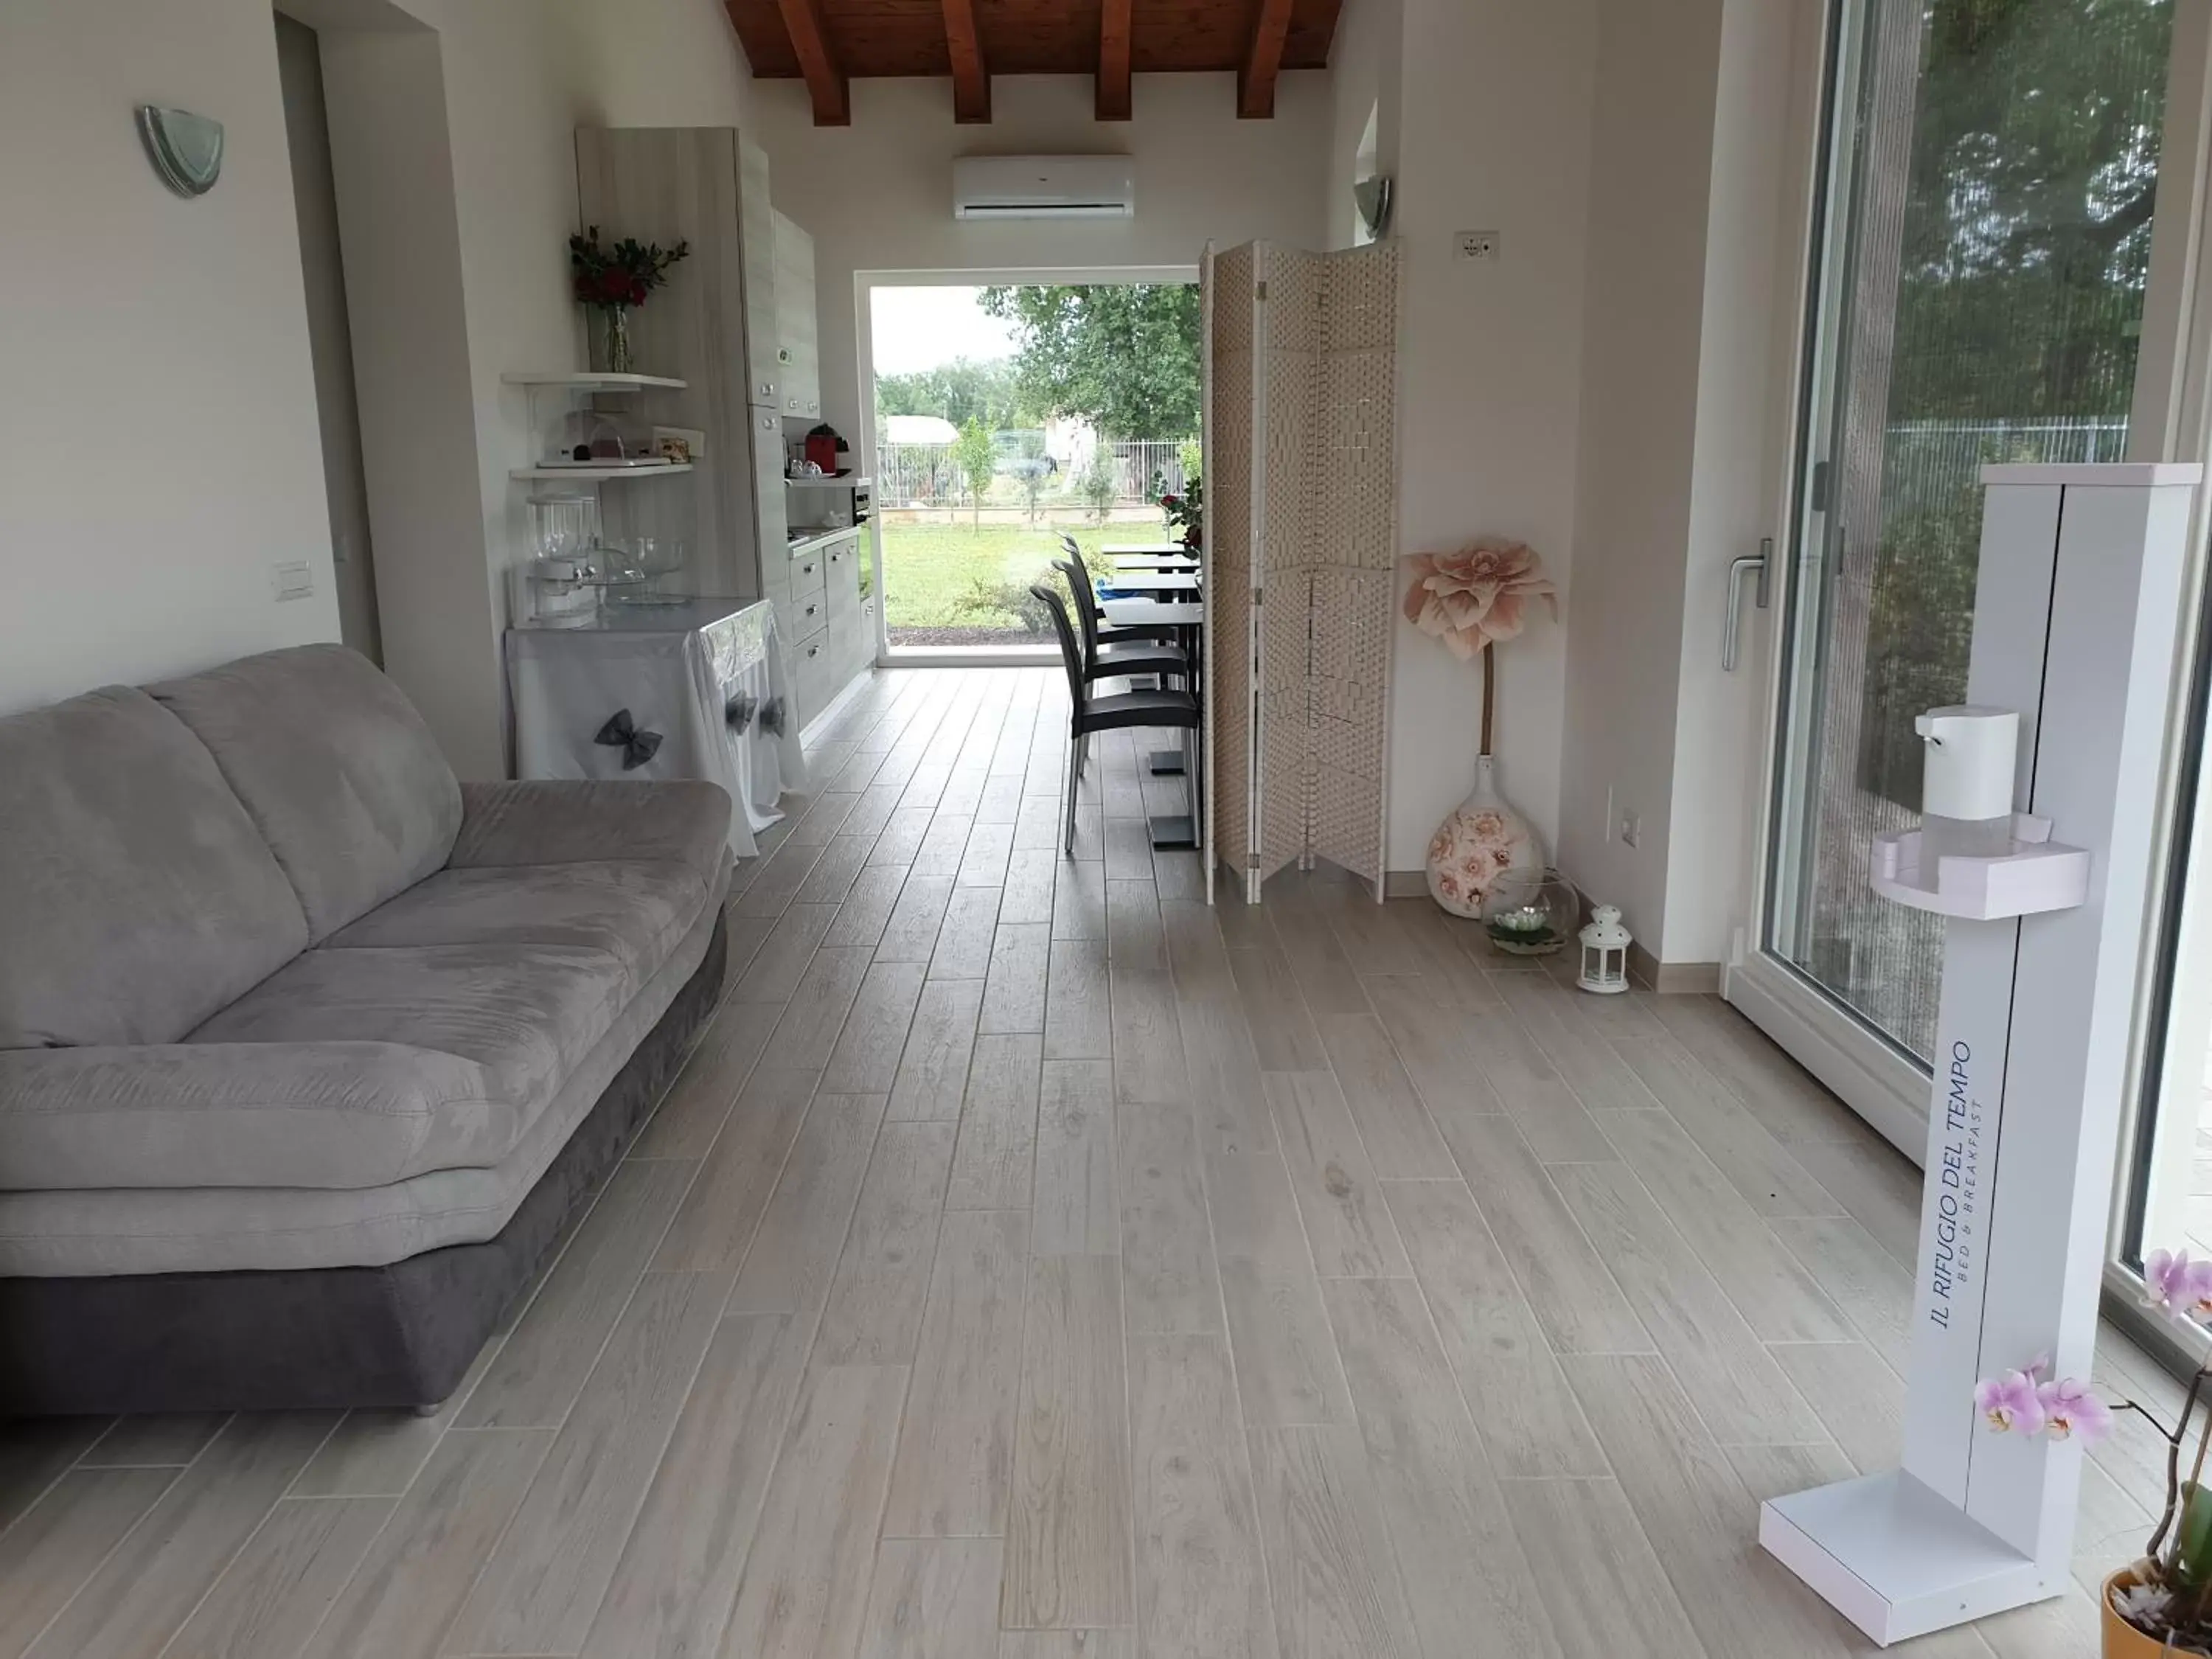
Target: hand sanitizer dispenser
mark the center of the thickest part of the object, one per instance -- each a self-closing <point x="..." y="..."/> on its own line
<point x="1966" y="787"/>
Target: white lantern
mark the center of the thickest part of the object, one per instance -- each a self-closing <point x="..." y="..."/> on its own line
<point x="1605" y="952"/>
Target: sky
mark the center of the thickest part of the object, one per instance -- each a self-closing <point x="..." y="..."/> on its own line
<point x="918" y="328"/>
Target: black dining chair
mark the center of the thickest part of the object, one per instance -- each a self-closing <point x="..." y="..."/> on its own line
<point x="1087" y="592"/>
<point x="1111" y="651"/>
<point x="1089" y="713"/>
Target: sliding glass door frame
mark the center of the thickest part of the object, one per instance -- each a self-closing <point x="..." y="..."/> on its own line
<point x="2171" y="419"/>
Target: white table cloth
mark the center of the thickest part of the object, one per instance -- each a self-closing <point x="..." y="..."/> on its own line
<point x="708" y="676"/>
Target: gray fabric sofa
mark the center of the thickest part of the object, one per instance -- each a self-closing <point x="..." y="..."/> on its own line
<point x="306" y="1050"/>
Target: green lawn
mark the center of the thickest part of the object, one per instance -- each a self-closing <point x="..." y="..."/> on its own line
<point x="953" y="584"/>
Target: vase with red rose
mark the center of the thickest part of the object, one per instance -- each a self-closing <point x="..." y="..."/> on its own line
<point x="1473" y="601"/>
<point x="613" y="278"/>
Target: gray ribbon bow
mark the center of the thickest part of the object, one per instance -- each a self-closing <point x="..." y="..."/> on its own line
<point x="621" y="733"/>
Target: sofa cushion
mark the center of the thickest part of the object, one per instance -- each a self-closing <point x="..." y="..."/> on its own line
<point x="526" y="1014"/>
<point x="635" y="912"/>
<point x="136" y="895"/>
<point x="320" y="1114"/>
<point x="564" y="821"/>
<point x="111" y="1230"/>
<point x="341" y="775"/>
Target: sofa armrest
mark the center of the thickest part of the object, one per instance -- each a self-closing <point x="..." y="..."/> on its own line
<point x="320" y="1115"/>
<point x="565" y="821"/>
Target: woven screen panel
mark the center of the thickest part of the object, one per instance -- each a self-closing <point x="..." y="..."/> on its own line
<point x="1296" y="330"/>
<point x="1229" y="538"/>
<point x="1355" y="524"/>
<point x="1286" y="721"/>
<point x="1351" y="621"/>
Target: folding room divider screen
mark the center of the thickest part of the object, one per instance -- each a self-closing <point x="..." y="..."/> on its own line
<point x="1302" y="536"/>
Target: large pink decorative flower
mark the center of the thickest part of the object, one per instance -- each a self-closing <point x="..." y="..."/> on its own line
<point x="1474" y="598"/>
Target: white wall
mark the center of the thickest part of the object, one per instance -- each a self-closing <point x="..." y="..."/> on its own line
<point x="877" y="196"/>
<point x="1690" y="329"/>
<point x="489" y="185"/>
<point x="170" y="455"/>
<point x="158" y="444"/>
<point x="1642" y="328"/>
<point x="1755" y="253"/>
<point x="1365" y="67"/>
<point x="1493" y="133"/>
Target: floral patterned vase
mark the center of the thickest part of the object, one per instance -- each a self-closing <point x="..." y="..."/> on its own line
<point x="1482" y="839"/>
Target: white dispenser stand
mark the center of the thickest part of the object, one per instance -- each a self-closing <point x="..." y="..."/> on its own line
<point x="2077" y="615"/>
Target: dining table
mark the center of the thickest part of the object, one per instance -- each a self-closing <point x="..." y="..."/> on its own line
<point x="1159" y="584"/>
<point x="1153" y="562"/>
<point x="1176" y="550"/>
<point x="1171" y="831"/>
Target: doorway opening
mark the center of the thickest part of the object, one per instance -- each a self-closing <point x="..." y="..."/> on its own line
<point x="330" y="333"/>
<point x="1007" y="416"/>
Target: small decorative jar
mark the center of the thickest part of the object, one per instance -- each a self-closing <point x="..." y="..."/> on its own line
<point x="1605" y="953"/>
<point x="1530" y="912"/>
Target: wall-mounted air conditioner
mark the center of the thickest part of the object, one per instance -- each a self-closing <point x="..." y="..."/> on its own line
<point x="1044" y="188"/>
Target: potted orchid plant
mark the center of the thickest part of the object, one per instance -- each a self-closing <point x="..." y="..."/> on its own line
<point x="2162" y="1604"/>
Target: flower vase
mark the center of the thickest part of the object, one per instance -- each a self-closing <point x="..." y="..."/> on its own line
<point x="618" y="339"/>
<point x="1482" y="839"/>
<point x="2123" y="1640"/>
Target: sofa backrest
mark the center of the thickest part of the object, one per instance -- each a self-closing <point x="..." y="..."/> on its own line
<point x="340" y="774"/>
<point x="136" y="898"/>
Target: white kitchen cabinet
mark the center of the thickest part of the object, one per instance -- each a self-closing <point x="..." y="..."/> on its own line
<point x="799" y="353"/>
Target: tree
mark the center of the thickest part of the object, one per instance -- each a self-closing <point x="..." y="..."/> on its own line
<point x="2030" y="185"/>
<point x="1123" y="356"/>
<point x="1099" y="485"/>
<point x="977" y="458"/>
<point x="961" y="391"/>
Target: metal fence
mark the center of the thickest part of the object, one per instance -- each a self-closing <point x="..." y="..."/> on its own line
<point x="926" y="475"/>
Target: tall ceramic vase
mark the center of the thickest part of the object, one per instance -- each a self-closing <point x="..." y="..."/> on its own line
<point x="1484" y="837"/>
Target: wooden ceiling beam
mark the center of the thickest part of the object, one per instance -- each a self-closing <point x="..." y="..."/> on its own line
<point x="1255" y="81"/>
<point x="1114" y="31"/>
<point x="971" y="77"/>
<point x="817" y="61"/>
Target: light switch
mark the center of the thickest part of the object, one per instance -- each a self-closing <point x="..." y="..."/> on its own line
<point x="293" y="578"/>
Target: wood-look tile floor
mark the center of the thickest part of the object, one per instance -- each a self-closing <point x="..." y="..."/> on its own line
<point x="1032" y="1261"/>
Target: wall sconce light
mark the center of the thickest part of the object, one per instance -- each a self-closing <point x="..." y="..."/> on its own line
<point x="186" y="149"/>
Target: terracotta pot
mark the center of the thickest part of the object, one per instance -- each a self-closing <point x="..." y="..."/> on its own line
<point x="1482" y="839"/>
<point x="2122" y="1639"/>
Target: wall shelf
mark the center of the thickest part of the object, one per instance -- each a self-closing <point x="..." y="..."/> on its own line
<point x="599" y="474"/>
<point x="591" y="381"/>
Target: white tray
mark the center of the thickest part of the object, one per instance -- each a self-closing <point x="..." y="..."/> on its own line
<point x="2038" y="875"/>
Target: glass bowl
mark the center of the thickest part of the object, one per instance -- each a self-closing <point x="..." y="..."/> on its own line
<point x="1531" y="912"/>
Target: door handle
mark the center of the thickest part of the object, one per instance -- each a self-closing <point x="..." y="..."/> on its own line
<point x="1763" y="563"/>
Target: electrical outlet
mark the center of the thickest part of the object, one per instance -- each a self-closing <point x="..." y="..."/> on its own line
<point x="1631" y="828"/>
<point x="1476" y="245"/>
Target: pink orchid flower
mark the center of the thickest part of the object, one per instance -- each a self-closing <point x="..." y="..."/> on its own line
<point x="2008" y="1402"/>
<point x="2197" y="1291"/>
<point x="2071" y="1409"/>
<point x="2172" y="1282"/>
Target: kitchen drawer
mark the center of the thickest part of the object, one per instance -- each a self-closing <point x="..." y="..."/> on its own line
<point x="814" y="676"/>
<point x="806" y="571"/>
<point x="804" y="616"/>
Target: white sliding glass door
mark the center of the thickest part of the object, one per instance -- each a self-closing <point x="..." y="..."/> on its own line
<point x="1984" y="247"/>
